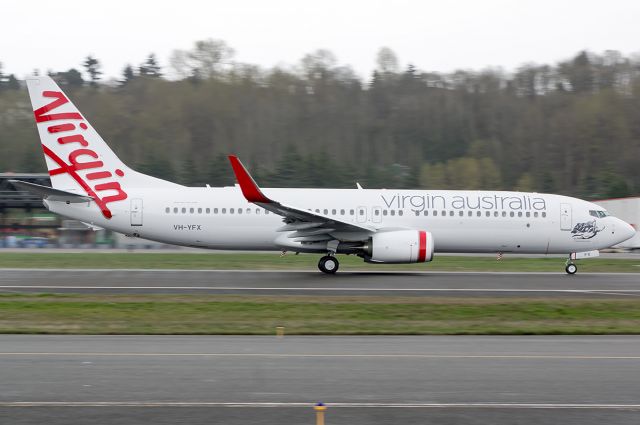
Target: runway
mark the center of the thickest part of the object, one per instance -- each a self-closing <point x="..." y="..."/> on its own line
<point x="450" y="284"/>
<point x="363" y="380"/>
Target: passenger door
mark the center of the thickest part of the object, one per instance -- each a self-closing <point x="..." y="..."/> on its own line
<point x="361" y="214"/>
<point x="565" y="217"/>
<point x="376" y="214"/>
<point x="136" y="212"/>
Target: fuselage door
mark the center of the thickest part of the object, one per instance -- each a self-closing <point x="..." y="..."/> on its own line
<point x="361" y="214"/>
<point x="376" y="214"/>
<point x="136" y="212"/>
<point x="565" y="216"/>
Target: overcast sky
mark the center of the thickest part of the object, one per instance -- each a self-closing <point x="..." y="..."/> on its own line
<point x="433" y="35"/>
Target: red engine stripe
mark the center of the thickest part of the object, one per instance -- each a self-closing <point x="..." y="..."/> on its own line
<point x="422" y="251"/>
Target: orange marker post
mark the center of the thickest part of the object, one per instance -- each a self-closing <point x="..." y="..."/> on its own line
<point x="320" y="408"/>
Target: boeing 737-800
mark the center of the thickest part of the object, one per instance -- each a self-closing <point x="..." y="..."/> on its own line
<point x="90" y="184"/>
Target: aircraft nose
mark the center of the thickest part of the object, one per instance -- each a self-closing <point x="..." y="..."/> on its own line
<point x="624" y="230"/>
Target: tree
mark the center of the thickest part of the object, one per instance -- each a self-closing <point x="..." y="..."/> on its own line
<point x="128" y="74"/>
<point x="8" y="82"/>
<point x="387" y="61"/>
<point x="204" y="61"/>
<point x="150" y="67"/>
<point x="92" y="67"/>
<point x="71" y="78"/>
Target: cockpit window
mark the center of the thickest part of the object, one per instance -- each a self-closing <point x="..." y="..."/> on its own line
<point x="598" y="214"/>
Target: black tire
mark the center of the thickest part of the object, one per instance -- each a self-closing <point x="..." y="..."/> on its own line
<point x="571" y="268"/>
<point x="328" y="264"/>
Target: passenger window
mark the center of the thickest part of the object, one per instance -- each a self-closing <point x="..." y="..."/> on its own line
<point x="400" y="212"/>
<point x="435" y="213"/>
<point x="519" y="213"/>
<point x="393" y="212"/>
<point x="376" y="212"/>
<point x="461" y="213"/>
<point x="248" y="210"/>
<point x="184" y="210"/>
<point x="215" y="211"/>
<point x="470" y="214"/>
<point x="384" y="212"/>
<point x="191" y="210"/>
<point x="511" y="214"/>
<point x="257" y="211"/>
<point x="495" y="213"/>
<point x="232" y="210"/>
<point x="266" y="212"/>
<point x="425" y="213"/>
<point x="318" y="211"/>
<point x="341" y="212"/>
<point x="479" y="213"/>
<point x="208" y="210"/>
<point x="333" y="212"/>
<point x="451" y="213"/>
<point x="175" y="210"/>
<point x="224" y="211"/>
<point x="417" y="213"/>
<point x="361" y="212"/>
<point x="544" y="214"/>
<point x="528" y="214"/>
<point x="199" y="210"/>
<point x="504" y="213"/>
<point x="326" y="212"/>
<point x="167" y="210"/>
<point x="535" y="214"/>
<point x="351" y="212"/>
<point x="444" y="213"/>
<point x="239" y="210"/>
<point x="488" y="213"/>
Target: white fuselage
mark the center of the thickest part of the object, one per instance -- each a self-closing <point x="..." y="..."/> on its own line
<point x="460" y="221"/>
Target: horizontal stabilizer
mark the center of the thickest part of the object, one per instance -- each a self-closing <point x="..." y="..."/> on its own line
<point x="49" y="193"/>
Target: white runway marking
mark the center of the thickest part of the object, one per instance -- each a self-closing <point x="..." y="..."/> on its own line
<point x="315" y="272"/>
<point x="293" y="355"/>
<point x="471" y="405"/>
<point x="621" y="292"/>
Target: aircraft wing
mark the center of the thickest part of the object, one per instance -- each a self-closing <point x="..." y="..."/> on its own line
<point x="308" y="225"/>
<point x="50" y="193"/>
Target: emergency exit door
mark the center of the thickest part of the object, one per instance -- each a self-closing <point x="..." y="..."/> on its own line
<point x="565" y="216"/>
<point x="136" y="212"/>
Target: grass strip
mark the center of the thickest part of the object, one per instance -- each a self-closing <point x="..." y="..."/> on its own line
<point x="272" y="261"/>
<point x="301" y="315"/>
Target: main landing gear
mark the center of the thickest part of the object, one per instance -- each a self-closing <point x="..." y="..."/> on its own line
<point x="328" y="264"/>
<point x="570" y="267"/>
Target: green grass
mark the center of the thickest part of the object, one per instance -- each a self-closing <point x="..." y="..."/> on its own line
<point x="272" y="261"/>
<point x="169" y="314"/>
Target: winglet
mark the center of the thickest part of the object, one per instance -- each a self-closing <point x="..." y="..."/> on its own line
<point x="250" y="189"/>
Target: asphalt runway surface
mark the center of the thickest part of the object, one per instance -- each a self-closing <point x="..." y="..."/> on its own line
<point x="363" y="380"/>
<point x="450" y="284"/>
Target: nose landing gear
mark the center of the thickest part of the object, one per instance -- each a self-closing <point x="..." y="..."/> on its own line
<point x="571" y="268"/>
<point x="328" y="264"/>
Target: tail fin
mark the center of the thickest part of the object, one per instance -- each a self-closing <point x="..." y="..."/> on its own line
<point x="77" y="158"/>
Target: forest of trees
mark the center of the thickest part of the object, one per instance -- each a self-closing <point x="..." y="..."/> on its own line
<point x="571" y="127"/>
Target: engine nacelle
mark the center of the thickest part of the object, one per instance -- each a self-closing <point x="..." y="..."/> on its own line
<point x="400" y="246"/>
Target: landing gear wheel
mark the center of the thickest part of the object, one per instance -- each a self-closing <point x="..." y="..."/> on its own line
<point x="328" y="264"/>
<point x="571" y="268"/>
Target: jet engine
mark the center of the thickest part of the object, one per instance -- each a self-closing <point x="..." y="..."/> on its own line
<point x="399" y="246"/>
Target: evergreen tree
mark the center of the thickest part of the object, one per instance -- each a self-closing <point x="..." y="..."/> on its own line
<point x="92" y="67"/>
<point x="128" y="75"/>
<point x="150" y="67"/>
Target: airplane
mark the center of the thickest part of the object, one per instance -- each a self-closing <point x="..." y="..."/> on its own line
<point x="91" y="184"/>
